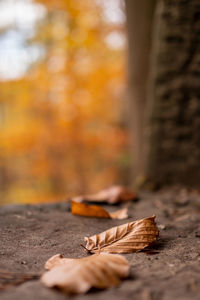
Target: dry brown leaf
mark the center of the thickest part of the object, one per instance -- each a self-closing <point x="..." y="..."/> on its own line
<point x="83" y="209"/>
<point x="126" y="238"/>
<point x="120" y="214"/>
<point x="10" y="279"/>
<point x="76" y="276"/>
<point x="112" y="195"/>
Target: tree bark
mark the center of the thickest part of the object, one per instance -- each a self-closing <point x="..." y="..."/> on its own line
<point x="165" y="90"/>
<point x="174" y="104"/>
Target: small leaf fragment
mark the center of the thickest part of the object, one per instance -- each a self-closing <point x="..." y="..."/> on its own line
<point x="120" y="214"/>
<point x="126" y="238"/>
<point x="10" y="279"/>
<point x="111" y="195"/>
<point x="86" y="210"/>
<point x="77" y="276"/>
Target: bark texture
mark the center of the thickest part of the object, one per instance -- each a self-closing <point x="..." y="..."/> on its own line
<point x="174" y="128"/>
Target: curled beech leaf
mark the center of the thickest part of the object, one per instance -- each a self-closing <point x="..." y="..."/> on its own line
<point x="126" y="238"/>
<point x="76" y="276"/>
<point x="111" y="195"/>
<point x="86" y="210"/>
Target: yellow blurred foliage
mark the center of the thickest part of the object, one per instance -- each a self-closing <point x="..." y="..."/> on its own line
<point x="61" y="125"/>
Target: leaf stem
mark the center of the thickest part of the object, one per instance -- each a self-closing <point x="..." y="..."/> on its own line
<point x="88" y="251"/>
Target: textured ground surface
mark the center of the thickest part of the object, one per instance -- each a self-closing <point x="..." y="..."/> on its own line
<point x="32" y="234"/>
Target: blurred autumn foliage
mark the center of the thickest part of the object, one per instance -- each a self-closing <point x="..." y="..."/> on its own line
<point x="62" y="128"/>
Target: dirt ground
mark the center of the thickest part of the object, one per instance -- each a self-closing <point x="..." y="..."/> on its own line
<point x="30" y="234"/>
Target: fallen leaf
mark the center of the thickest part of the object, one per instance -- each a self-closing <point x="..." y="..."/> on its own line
<point x="9" y="279"/>
<point x="76" y="276"/>
<point x="112" y="195"/>
<point x="120" y="214"/>
<point x="126" y="238"/>
<point x="83" y="209"/>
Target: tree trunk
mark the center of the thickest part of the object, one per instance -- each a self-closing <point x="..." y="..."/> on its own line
<point x="174" y="135"/>
<point x="139" y="27"/>
<point x="172" y="155"/>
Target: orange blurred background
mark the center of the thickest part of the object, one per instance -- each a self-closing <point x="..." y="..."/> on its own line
<point x="63" y="127"/>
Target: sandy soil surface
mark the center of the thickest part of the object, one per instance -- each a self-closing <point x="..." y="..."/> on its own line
<point x="30" y="234"/>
